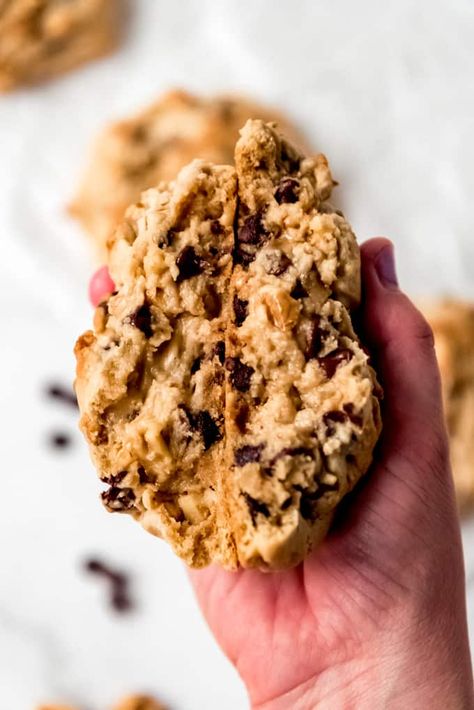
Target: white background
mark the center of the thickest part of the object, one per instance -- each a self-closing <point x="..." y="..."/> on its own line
<point x="385" y="89"/>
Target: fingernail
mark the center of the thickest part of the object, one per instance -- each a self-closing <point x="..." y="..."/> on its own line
<point x="385" y="267"/>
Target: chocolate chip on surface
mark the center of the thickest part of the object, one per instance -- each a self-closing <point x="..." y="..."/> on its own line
<point x="118" y="500"/>
<point x="240" y="373"/>
<point x="240" y="310"/>
<point x="298" y="291"/>
<point x="314" y="338"/>
<point x="250" y="236"/>
<point x="219" y="351"/>
<point x="277" y="263"/>
<point x="350" y="411"/>
<point x="62" y="394"/>
<point x="60" y="440"/>
<point x="287" y="191"/>
<point x="216" y="227"/>
<point x="207" y="427"/>
<point x="256" y="507"/>
<point x="188" y="263"/>
<point x="248" y="454"/>
<point x="331" y="362"/>
<point x="141" y="319"/>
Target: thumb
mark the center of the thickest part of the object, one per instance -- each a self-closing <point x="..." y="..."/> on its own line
<point x="403" y="346"/>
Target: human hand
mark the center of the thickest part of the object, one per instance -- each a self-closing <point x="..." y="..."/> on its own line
<point x="374" y="618"/>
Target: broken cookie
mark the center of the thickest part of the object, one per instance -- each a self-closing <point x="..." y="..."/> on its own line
<point x="226" y="399"/>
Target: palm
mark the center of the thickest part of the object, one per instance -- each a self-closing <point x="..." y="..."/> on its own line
<point x="283" y="629"/>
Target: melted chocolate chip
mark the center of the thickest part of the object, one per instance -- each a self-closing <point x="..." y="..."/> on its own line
<point x="119" y="596"/>
<point x="207" y="427"/>
<point x="355" y="418"/>
<point x="256" y="507"/>
<point x="277" y="264"/>
<point x="298" y="291"/>
<point x="219" y="351"/>
<point x="250" y="236"/>
<point x="216" y="227"/>
<point x="314" y="338"/>
<point x="287" y="191"/>
<point x="248" y="454"/>
<point x="143" y="476"/>
<point x="188" y="263"/>
<point x="240" y="373"/>
<point x="141" y="319"/>
<point x="306" y="508"/>
<point x="240" y="310"/>
<point x="196" y="365"/>
<point x="118" y="499"/>
<point x="63" y="394"/>
<point x="292" y="451"/>
<point x="242" y="416"/>
<point x="60" y="440"/>
<point x="114" y="479"/>
<point x="331" y="362"/>
<point x="286" y="503"/>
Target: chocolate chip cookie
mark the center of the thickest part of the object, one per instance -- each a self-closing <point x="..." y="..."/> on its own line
<point x="453" y="327"/>
<point x="42" y="38"/>
<point x="227" y="401"/>
<point x="139" y="152"/>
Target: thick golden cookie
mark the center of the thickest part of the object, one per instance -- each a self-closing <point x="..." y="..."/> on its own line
<point x="137" y="153"/>
<point x="226" y="399"/>
<point x="453" y="327"/>
<point x="42" y="38"/>
<point x="131" y="702"/>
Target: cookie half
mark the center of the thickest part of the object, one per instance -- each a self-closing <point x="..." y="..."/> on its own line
<point x="301" y="415"/>
<point x="150" y="378"/>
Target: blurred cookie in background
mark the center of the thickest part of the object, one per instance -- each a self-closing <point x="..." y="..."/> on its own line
<point x="131" y="702"/>
<point x="40" y="39"/>
<point x="139" y="152"/>
<point x="453" y="327"/>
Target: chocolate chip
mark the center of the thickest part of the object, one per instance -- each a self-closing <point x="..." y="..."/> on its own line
<point x="331" y="418"/>
<point x="286" y="503"/>
<point x="277" y="263"/>
<point x="292" y="451"/>
<point x="298" y="291"/>
<point x="207" y="427"/>
<point x="60" y="440"/>
<point x="119" y="596"/>
<point x="188" y="263"/>
<point x="248" y="454"/>
<point x="63" y="394"/>
<point x="141" y="319"/>
<point x="250" y="236"/>
<point x="331" y="362"/>
<point x="350" y="411"/>
<point x="255" y="507"/>
<point x="196" y="365"/>
<point x="242" y="416"/>
<point x="240" y="373"/>
<point x="240" y="310"/>
<point x="118" y="499"/>
<point x="306" y="508"/>
<point x="287" y="191"/>
<point x="143" y="476"/>
<point x="314" y="338"/>
<point x="114" y="479"/>
<point x="216" y="227"/>
<point x="219" y="351"/>
<point x="212" y="302"/>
